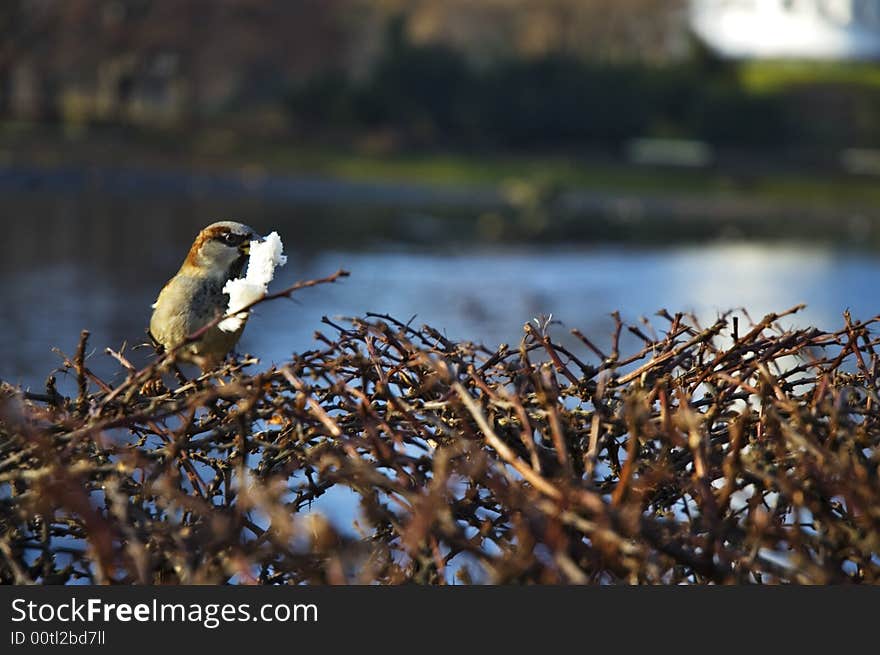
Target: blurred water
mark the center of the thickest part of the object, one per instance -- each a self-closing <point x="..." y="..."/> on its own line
<point x="66" y="267"/>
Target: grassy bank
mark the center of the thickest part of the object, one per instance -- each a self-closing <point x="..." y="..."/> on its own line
<point x="754" y="176"/>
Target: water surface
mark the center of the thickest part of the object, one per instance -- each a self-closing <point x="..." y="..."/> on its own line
<point x="97" y="262"/>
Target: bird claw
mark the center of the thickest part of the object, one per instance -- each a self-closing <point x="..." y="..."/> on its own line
<point x="154" y="387"/>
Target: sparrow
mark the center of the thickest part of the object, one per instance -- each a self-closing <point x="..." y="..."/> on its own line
<point x="194" y="296"/>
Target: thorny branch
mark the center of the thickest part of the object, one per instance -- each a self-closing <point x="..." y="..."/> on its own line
<point x="726" y="454"/>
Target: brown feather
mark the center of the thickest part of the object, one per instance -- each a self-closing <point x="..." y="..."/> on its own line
<point x="210" y="232"/>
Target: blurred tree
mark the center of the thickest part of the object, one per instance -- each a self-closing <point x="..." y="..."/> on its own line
<point x="118" y="59"/>
<point x="646" y="30"/>
<point x="519" y="73"/>
<point x="425" y="88"/>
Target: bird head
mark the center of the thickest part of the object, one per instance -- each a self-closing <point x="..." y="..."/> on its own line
<point x="221" y="249"/>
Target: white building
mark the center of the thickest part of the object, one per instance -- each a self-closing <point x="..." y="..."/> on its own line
<point x="789" y="29"/>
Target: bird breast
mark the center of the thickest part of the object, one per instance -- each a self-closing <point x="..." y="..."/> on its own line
<point x="185" y="305"/>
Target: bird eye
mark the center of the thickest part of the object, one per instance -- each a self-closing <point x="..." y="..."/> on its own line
<point x="232" y="239"/>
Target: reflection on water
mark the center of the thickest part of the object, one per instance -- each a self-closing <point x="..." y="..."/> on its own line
<point x="99" y="267"/>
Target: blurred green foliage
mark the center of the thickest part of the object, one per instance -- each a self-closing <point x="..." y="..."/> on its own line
<point x="431" y="94"/>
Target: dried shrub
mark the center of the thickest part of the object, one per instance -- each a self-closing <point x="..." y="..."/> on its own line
<point x="703" y="456"/>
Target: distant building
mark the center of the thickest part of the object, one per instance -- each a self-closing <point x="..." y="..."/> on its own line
<point x="789" y="29"/>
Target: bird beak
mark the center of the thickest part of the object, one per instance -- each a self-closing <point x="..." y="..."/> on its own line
<point x="245" y="248"/>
